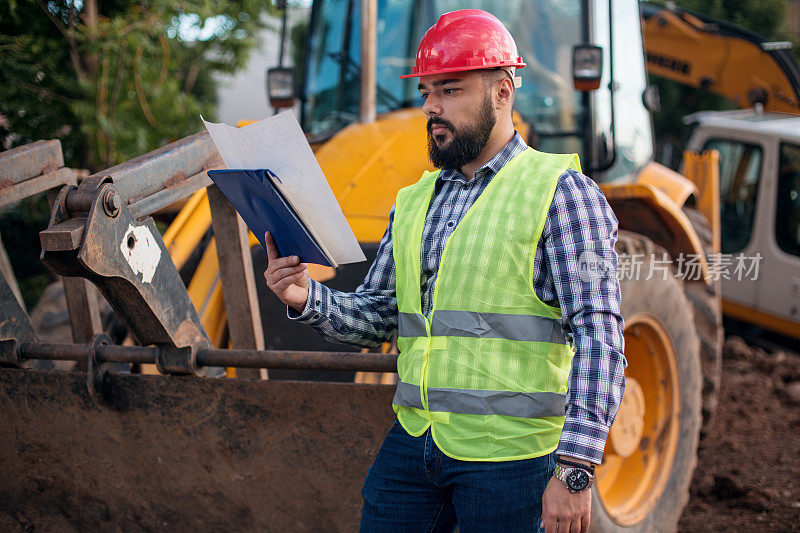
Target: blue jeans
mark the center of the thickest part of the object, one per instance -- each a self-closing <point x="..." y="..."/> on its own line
<point x="413" y="487"/>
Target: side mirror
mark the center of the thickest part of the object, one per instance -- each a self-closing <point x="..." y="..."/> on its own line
<point x="652" y="98"/>
<point x="587" y="67"/>
<point x="280" y="87"/>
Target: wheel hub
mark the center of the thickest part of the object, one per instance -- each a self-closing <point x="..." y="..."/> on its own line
<point x="629" y="425"/>
<point x="641" y="446"/>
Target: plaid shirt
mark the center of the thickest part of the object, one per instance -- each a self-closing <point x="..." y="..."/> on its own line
<point x="579" y="220"/>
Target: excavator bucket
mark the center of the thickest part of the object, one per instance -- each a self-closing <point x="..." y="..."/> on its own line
<point x="185" y="453"/>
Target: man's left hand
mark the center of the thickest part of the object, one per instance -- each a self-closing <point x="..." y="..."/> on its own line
<point x="564" y="511"/>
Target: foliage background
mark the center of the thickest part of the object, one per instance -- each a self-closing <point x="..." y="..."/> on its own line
<point x="116" y="78"/>
<point x="111" y="79"/>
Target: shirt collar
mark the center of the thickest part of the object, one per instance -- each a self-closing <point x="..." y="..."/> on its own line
<point x="493" y="166"/>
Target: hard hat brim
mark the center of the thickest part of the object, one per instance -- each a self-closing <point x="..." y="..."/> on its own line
<point x="462" y="69"/>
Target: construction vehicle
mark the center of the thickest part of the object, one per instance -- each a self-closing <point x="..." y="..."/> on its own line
<point x="112" y="449"/>
<point x="720" y="57"/>
<point x="759" y="188"/>
<point x="759" y="211"/>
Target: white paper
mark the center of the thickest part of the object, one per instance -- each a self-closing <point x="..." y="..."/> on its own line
<point x="277" y="143"/>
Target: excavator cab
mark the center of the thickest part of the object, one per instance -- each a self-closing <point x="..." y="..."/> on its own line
<point x="609" y="127"/>
<point x="759" y="173"/>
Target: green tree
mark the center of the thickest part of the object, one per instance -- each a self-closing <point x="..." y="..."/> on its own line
<point x="112" y="79"/>
<point x="765" y="17"/>
<point x="116" y="78"/>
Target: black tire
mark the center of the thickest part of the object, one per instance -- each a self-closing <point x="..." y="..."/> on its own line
<point x="707" y="303"/>
<point x="50" y="320"/>
<point x="665" y="301"/>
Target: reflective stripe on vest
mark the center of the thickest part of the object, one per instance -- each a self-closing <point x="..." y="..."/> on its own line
<point x="411" y="325"/>
<point x="483" y="402"/>
<point x="485" y="325"/>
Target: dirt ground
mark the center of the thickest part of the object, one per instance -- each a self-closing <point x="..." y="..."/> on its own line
<point x="748" y="469"/>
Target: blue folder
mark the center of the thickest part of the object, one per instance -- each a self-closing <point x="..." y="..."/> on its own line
<point x="263" y="208"/>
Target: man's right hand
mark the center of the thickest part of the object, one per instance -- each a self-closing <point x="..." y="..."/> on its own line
<point x="287" y="277"/>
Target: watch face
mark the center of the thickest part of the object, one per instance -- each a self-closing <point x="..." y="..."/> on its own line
<point x="577" y="479"/>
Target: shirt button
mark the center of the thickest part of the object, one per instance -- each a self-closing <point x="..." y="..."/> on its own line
<point x="317" y="303"/>
<point x="450" y="223"/>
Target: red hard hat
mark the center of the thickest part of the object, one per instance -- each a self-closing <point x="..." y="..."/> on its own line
<point x="468" y="39"/>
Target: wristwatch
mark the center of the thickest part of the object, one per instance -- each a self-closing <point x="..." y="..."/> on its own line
<point x="575" y="478"/>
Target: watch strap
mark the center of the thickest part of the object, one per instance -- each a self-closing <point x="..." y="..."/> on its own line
<point x="589" y="468"/>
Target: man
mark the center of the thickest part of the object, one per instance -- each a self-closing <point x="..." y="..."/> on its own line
<point x="477" y="274"/>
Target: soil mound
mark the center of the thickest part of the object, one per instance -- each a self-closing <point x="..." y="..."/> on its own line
<point x="748" y="469"/>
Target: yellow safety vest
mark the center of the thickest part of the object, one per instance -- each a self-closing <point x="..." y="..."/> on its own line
<point x="487" y="370"/>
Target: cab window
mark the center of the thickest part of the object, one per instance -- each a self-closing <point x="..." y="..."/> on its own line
<point x="739" y="173"/>
<point x="787" y="213"/>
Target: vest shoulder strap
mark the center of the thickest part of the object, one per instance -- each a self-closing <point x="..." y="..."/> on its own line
<point x="554" y="161"/>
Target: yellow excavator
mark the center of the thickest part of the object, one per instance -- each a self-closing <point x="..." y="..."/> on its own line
<point x="673" y="352"/>
<point x="722" y="58"/>
<point x="649" y="458"/>
<point x="759" y="197"/>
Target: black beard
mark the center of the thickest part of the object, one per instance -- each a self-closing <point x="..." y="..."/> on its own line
<point x="465" y="145"/>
